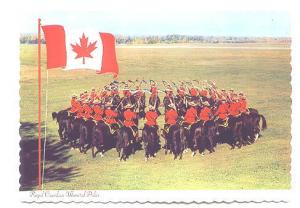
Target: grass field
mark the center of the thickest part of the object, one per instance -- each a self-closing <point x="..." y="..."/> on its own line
<point x="264" y="75"/>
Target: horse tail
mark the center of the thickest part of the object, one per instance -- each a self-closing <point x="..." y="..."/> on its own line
<point x="264" y="122"/>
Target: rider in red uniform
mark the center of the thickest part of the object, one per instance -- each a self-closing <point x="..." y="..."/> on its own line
<point x="87" y="110"/>
<point x="151" y="117"/>
<point x="129" y="116"/>
<point x="206" y="113"/>
<point x="111" y="117"/>
<point x="243" y="103"/>
<point x="79" y="113"/>
<point x="75" y="104"/>
<point x="171" y="115"/>
<point x="222" y="111"/>
<point x="234" y="107"/>
<point x="190" y="115"/>
<point x="98" y="112"/>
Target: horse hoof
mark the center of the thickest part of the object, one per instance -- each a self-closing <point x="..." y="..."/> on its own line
<point x="146" y="159"/>
<point x="193" y="154"/>
<point x="202" y="154"/>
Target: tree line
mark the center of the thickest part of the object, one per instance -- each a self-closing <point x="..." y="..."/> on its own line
<point x="174" y="38"/>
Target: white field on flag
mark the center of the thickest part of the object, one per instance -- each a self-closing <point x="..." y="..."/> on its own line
<point x="75" y="37"/>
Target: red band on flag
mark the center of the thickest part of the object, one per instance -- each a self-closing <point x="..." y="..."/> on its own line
<point x="56" y="46"/>
<point x="109" y="60"/>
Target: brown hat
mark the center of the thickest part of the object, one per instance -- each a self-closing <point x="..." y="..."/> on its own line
<point x="192" y="103"/>
<point x="172" y="105"/>
<point x="128" y="106"/>
<point x="206" y="103"/>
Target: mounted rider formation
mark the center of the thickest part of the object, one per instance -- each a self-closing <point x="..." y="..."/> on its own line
<point x="197" y="116"/>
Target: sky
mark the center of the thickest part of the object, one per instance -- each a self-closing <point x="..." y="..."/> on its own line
<point x="162" y="22"/>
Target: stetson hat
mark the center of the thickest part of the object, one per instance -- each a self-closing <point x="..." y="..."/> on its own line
<point x="192" y="103"/>
<point x="172" y="105"/>
<point x="151" y="107"/>
<point x="206" y="103"/>
<point x="109" y="104"/>
<point x="128" y="106"/>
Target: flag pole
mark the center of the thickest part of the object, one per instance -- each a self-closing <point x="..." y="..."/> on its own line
<point x="45" y="131"/>
<point x="39" y="106"/>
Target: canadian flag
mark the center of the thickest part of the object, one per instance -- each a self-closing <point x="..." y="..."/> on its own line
<point x="73" y="49"/>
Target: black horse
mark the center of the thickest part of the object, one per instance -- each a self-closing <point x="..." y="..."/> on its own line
<point x="64" y="124"/>
<point x="102" y="139"/>
<point x="124" y="141"/>
<point x="150" y="140"/>
<point x="177" y="140"/>
<point x="251" y="125"/>
<point x="205" y="137"/>
<point x="85" y="134"/>
<point x="236" y="137"/>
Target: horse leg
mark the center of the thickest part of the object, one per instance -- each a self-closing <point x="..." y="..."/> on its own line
<point x="93" y="151"/>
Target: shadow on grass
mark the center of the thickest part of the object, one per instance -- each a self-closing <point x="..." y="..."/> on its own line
<point x="56" y="155"/>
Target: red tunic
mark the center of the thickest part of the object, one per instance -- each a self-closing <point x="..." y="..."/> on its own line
<point x="80" y="112"/>
<point x="171" y="117"/>
<point x="75" y="105"/>
<point x="193" y="92"/>
<point x="190" y="115"/>
<point x="151" y="117"/>
<point x="87" y="111"/>
<point x="222" y="111"/>
<point x="111" y="116"/>
<point x="153" y="90"/>
<point x="129" y="115"/>
<point x="243" y="105"/>
<point x="181" y="92"/>
<point x="126" y="93"/>
<point x="205" y="114"/>
<point x="203" y="93"/>
<point x="98" y="113"/>
<point x="234" y="108"/>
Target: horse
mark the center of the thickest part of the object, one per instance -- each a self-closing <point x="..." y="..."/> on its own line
<point x="150" y="140"/>
<point x="205" y="137"/>
<point x="179" y="142"/>
<point x="85" y="134"/>
<point x="124" y="140"/>
<point x="75" y="131"/>
<point x="252" y="126"/>
<point x="102" y="140"/>
<point x="64" y="124"/>
<point x="236" y="137"/>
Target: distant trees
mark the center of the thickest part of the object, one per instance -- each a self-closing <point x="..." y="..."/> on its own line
<point x="30" y="39"/>
<point x="174" y="38"/>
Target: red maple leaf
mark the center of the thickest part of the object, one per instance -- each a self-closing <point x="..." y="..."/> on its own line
<point x="84" y="49"/>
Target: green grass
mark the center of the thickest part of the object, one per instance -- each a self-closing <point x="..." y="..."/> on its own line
<point x="264" y="75"/>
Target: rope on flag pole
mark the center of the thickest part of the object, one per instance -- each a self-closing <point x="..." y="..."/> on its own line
<point x="45" y="140"/>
